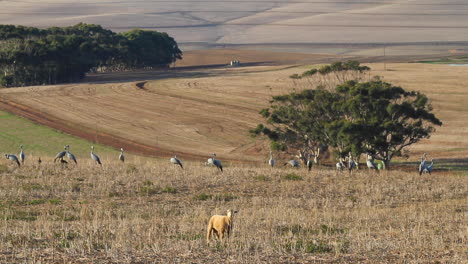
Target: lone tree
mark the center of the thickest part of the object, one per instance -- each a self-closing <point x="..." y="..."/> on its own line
<point x="371" y="117"/>
<point x="382" y="119"/>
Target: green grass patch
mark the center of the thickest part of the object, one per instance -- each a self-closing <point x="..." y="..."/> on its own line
<point x="291" y="177"/>
<point x="41" y="140"/>
<point x="202" y="197"/>
<point x="169" y="189"/>
<point x="262" y="178"/>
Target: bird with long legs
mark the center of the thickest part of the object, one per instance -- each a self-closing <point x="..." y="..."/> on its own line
<point x="22" y="156"/>
<point x="271" y="161"/>
<point x="175" y="160"/>
<point x="309" y="163"/>
<point x="95" y="157"/>
<point x="70" y="155"/>
<point x="121" y="156"/>
<point x="216" y="162"/>
<point x="351" y="163"/>
<point x="422" y="164"/>
<point x="370" y="162"/>
<point x="61" y="154"/>
<point x="13" y="158"/>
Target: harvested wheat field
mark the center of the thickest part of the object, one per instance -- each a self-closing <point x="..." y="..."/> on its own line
<point x="155" y="212"/>
<point x="194" y="113"/>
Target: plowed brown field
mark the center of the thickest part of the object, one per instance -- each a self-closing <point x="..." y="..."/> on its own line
<point x="194" y="113"/>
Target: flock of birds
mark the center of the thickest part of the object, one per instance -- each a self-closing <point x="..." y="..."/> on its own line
<point x="347" y="162"/>
<point x="19" y="160"/>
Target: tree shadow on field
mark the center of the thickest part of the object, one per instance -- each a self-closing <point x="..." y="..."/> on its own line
<point x="173" y="73"/>
<point x="440" y="164"/>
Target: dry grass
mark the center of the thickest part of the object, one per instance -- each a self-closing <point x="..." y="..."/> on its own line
<point x="152" y="212"/>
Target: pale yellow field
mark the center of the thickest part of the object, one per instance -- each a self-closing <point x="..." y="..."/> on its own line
<point x="198" y="112"/>
<point x="154" y="212"/>
<point x="422" y="26"/>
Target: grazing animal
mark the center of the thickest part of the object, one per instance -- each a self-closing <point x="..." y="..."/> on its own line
<point x="220" y="225"/>
<point x="70" y="155"/>
<point x="60" y="155"/>
<point x="293" y="163"/>
<point x="423" y="164"/>
<point x="271" y="161"/>
<point x="175" y="160"/>
<point x="22" y="157"/>
<point x="95" y="157"/>
<point x="216" y="162"/>
<point x="121" y="156"/>
<point x="370" y="162"/>
<point x="13" y="158"/>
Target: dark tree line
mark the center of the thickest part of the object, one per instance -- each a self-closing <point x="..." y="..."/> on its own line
<point x="33" y="56"/>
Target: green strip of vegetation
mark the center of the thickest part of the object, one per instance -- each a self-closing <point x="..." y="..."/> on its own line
<point x="40" y="140"/>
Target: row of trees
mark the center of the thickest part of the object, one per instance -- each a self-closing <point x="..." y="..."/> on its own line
<point x="32" y="56"/>
<point x="357" y="116"/>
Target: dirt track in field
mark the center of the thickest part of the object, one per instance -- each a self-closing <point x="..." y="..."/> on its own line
<point x="196" y="111"/>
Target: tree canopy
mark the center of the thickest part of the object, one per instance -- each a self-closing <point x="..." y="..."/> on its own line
<point x="373" y="117"/>
<point x="32" y="56"/>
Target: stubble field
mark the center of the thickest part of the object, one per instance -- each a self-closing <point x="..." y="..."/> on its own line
<point x="153" y="212"/>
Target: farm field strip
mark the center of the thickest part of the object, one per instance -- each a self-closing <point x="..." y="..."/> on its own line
<point x="213" y="109"/>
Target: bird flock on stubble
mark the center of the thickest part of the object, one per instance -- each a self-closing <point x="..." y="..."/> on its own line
<point x="308" y="160"/>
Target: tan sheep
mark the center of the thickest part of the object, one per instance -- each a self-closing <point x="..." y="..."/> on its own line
<point x="220" y="225"/>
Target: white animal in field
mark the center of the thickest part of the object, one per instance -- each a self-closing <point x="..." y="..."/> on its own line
<point x="95" y="157"/>
<point x="271" y="161"/>
<point x="370" y="162"/>
<point x="22" y="156"/>
<point x="340" y="165"/>
<point x="13" y="158"/>
<point x="423" y="164"/>
<point x="293" y="163"/>
<point x="220" y="225"/>
<point x="175" y="160"/>
<point x="121" y="156"/>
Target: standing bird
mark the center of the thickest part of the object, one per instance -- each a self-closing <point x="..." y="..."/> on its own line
<point x="429" y="167"/>
<point x="70" y="155"/>
<point x="22" y="157"/>
<point x="340" y="165"/>
<point x="271" y="161"/>
<point x="309" y="163"/>
<point x="175" y="160"/>
<point x="293" y="163"/>
<point x="60" y="155"/>
<point x="351" y="162"/>
<point x="423" y="164"/>
<point x="370" y="162"/>
<point x="95" y="157"/>
<point x="13" y="158"/>
<point x="39" y="161"/>
<point x="121" y="156"/>
<point x="216" y="162"/>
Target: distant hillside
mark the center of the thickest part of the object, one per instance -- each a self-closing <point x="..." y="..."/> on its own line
<point x="228" y="22"/>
